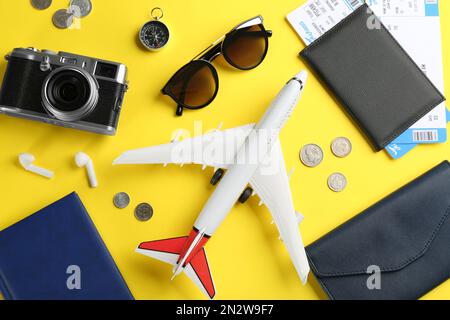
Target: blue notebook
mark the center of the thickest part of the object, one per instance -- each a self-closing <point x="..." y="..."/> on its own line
<point x="57" y="254"/>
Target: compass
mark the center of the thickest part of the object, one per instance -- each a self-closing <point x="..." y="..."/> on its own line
<point x="154" y="35"/>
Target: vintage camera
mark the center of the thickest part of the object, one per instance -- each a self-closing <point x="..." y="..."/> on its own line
<point x="64" y="89"/>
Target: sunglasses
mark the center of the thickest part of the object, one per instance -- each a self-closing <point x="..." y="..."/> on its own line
<point x="196" y="84"/>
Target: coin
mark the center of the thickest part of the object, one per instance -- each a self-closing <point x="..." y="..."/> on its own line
<point x="80" y="8"/>
<point x="41" y="4"/>
<point x="62" y="19"/>
<point x="121" y="200"/>
<point x="341" y="147"/>
<point x="143" y="212"/>
<point x="337" y="182"/>
<point x="311" y="155"/>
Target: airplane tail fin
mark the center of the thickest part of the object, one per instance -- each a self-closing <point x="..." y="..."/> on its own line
<point x="169" y="251"/>
<point x="198" y="271"/>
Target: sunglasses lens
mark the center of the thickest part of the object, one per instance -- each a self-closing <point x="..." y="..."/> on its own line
<point x="245" y="48"/>
<point x="194" y="85"/>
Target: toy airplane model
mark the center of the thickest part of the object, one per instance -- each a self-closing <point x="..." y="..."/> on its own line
<point x="187" y="253"/>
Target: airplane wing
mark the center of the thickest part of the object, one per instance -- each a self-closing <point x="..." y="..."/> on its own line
<point x="275" y="192"/>
<point x="216" y="149"/>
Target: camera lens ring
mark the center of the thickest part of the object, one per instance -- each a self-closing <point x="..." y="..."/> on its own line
<point x="78" y="113"/>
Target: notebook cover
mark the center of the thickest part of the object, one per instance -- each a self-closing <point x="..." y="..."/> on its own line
<point x="375" y="80"/>
<point x="36" y="252"/>
<point x="405" y="238"/>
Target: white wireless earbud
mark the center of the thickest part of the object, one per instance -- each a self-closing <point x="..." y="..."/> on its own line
<point x="26" y="161"/>
<point x="83" y="160"/>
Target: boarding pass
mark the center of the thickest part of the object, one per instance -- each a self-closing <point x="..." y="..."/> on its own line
<point x="416" y="26"/>
<point x="316" y="17"/>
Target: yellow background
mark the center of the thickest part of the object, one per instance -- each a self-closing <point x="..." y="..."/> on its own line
<point x="247" y="259"/>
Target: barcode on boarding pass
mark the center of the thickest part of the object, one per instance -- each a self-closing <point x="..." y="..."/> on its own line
<point x="425" y="136"/>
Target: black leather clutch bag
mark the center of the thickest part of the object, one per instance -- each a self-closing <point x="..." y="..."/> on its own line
<point x="375" y="80"/>
<point x="406" y="236"/>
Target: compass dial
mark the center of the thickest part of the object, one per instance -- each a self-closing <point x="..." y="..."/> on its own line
<point x="154" y="35"/>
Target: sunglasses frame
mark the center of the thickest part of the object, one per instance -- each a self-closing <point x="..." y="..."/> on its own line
<point x="207" y="56"/>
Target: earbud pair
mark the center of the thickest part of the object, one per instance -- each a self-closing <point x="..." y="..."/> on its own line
<point x="81" y="159"/>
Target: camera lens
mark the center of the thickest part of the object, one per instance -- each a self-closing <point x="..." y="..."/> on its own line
<point x="68" y="91"/>
<point x="70" y="94"/>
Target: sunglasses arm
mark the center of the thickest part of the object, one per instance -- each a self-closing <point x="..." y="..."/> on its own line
<point x="179" y="111"/>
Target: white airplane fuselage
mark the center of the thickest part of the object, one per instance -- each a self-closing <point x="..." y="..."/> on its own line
<point x="239" y="174"/>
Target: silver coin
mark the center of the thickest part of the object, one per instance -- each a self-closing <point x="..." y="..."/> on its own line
<point x="337" y="182"/>
<point x="80" y="8"/>
<point x="121" y="200"/>
<point x="41" y="4"/>
<point x="62" y="19"/>
<point x="341" y="147"/>
<point x="311" y="155"/>
<point x="143" y="212"/>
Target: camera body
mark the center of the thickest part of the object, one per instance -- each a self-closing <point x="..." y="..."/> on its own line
<point x="64" y="89"/>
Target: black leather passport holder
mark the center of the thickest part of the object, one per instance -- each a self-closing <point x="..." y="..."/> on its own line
<point x="375" y="80"/>
<point x="406" y="235"/>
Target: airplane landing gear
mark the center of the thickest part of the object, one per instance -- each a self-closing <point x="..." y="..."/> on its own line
<point x="246" y="194"/>
<point x="218" y="175"/>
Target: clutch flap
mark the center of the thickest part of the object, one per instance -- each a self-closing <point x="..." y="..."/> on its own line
<point x="392" y="234"/>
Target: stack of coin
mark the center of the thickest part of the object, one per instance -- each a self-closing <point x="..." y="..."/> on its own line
<point x="337" y="182"/>
<point x="312" y="155"/>
<point x="341" y="147"/>
<point x="80" y="8"/>
<point x="121" y="200"/>
<point x="143" y="211"/>
<point x="64" y="18"/>
<point x="41" y="4"/>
